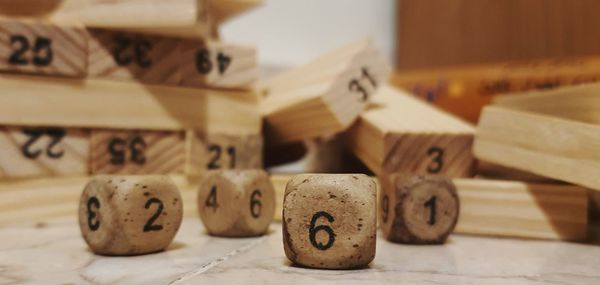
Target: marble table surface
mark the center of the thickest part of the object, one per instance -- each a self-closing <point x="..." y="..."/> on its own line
<point x="54" y="253"/>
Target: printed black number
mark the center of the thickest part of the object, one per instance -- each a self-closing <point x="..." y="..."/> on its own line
<point x="139" y="47"/>
<point x="255" y="204"/>
<point x="150" y="226"/>
<point x="385" y="207"/>
<point x="93" y="225"/>
<point x="438" y="160"/>
<point x="204" y="64"/>
<point x="431" y="204"/>
<point x="42" y="51"/>
<point x="211" y="200"/>
<point x="355" y="84"/>
<point x="117" y="147"/>
<point x="367" y="75"/>
<point x="34" y="135"/>
<point x="312" y="231"/>
<point x="216" y="152"/>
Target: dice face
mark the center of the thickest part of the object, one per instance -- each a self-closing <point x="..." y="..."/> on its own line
<point x="129" y="215"/>
<point x="236" y="203"/>
<point x="418" y="209"/>
<point x="329" y="220"/>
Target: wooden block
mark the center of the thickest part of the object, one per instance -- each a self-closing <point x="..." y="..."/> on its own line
<point x="125" y="105"/>
<point x="417" y="209"/>
<point x="330" y="220"/>
<point x="519" y="209"/>
<point x="39" y="48"/>
<point x="130" y="215"/>
<point x="549" y="146"/>
<point x="325" y="96"/>
<point x="137" y="152"/>
<point x="399" y="133"/>
<point x="221" y="151"/>
<point x="217" y="64"/>
<point x="279" y="182"/>
<point x="236" y="203"/>
<point x="108" y="14"/>
<point x="224" y="10"/>
<point x="33" y="151"/>
<point x="145" y="58"/>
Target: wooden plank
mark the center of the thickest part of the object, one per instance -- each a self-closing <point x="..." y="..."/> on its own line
<point x="324" y="96"/>
<point x="108" y="14"/>
<point x="40" y="48"/>
<point x="125" y="105"/>
<point x="28" y="152"/>
<point x="217" y="64"/>
<point x="518" y="209"/>
<point x="465" y="90"/>
<point x="398" y="132"/>
<point x="137" y="152"/>
<point x="129" y="56"/>
<point x="544" y="145"/>
<point x="221" y="151"/>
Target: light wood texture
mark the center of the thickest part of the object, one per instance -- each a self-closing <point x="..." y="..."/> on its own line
<point x="324" y="96"/>
<point x="217" y="64"/>
<point x="29" y="152"/>
<point x="518" y="209"/>
<point x="399" y="132"/>
<point x="38" y="48"/>
<point x="465" y="90"/>
<point x="224" y="10"/>
<point x="544" y="145"/>
<point x="137" y="152"/>
<point x="119" y="55"/>
<point x="279" y="182"/>
<point x="125" y="105"/>
<point x="222" y="151"/>
<point x="110" y="14"/>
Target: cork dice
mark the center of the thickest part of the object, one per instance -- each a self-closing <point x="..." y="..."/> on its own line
<point x="129" y="215"/>
<point x="236" y="203"/>
<point x="330" y="220"/>
<point x="417" y="209"/>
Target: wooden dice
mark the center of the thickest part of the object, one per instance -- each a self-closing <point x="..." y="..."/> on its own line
<point x="129" y="215"/>
<point x="329" y="220"/>
<point x="236" y="203"/>
<point x="417" y="209"/>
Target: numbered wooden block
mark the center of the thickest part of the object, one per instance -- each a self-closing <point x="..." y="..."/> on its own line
<point x="400" y="133"/>
<point x="236" y="203"/>
<point x="217" y="64"/>
<point x="329" y="220"/>
<point x="137" y="152"/>
<point x="325" y="96"/>
<point x="220" y="151"/>
<point x="129" y="215"/>
<point x="130" y="56"/>
<point x="32" y="47"/>
<point x="417" y="209"/>
<point x="29" y="151"/>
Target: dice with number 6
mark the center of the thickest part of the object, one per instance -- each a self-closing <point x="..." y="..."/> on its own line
<point x="129" y="215"/>
<point x="236" y="203"/>
<point x="330" y="220"/>
<point x="417" y="209"/>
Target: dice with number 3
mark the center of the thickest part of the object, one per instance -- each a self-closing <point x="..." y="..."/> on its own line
<point x="236" y="203"/>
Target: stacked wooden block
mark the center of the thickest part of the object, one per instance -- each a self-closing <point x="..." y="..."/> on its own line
<point x="89" y="92"/>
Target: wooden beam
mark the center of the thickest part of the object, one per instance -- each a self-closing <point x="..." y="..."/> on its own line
<point x="108" y="14"/>
<point x="544" y="145"/>
<point x="109" y="104"/>
<point x="518" y="209"/>
<point x="42" y="49"/>
<point x="398" y="132"/>
<point x="137" y="152"/>
<point x="28" y="152"/>
<point x="324" y="96"/>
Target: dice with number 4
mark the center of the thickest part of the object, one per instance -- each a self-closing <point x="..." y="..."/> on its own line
<point x="129" y="215"/>
<point x="236" y="203"/>
<point x="417" y="209"/>
<point x="329" y="220"/>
